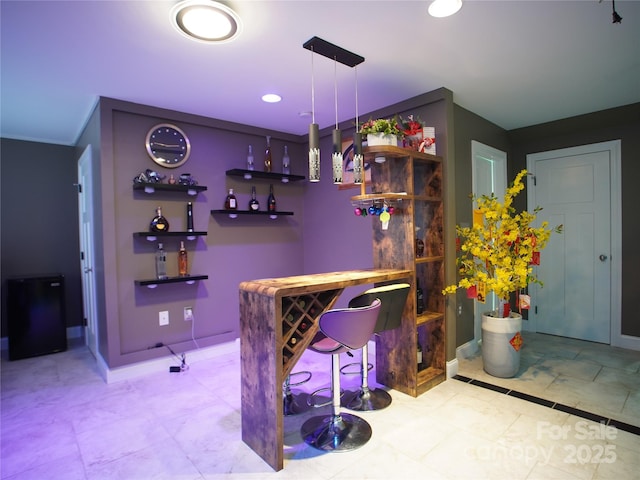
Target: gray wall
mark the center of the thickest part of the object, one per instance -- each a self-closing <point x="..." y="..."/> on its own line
<point x="39" y="215"/>
<point x="469" y="126"/>
<point x="619" y="123"/>
<point x="233" y="250"/>
<point x="323" y="235"/>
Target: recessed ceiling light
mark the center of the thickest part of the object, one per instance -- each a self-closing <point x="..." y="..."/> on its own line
<point x="444" y="8"/>
<point x="271" y="98"/>
<point x="206" y="21"/>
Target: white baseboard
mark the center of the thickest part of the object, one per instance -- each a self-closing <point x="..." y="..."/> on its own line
<point x="452" y="368"/>
<point x="468" y="349"/>
<point x="626" y="341"/>
<point x="112" y="375"/>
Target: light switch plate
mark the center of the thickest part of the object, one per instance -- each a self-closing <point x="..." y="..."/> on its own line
<point x="163" y="317"/>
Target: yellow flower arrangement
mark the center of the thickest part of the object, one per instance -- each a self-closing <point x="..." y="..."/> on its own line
<point x="498" y="252"/>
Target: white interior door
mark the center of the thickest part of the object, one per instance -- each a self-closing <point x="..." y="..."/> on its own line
<point x="87" y="252"/>
<point x="573" y="186"/>
<point x="489" y="167"/>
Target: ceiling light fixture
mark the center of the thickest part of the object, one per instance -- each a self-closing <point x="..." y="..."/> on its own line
<point x="271" y="98"/>
<point x="444" y="8"/>
<point x="206" y="21"/>
<point x="337" y="54"/>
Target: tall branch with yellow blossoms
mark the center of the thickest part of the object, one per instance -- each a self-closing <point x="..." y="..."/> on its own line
<point x="498" y="252"/>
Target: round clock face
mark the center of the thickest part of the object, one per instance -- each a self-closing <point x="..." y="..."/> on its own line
<point x="167" y="145"/>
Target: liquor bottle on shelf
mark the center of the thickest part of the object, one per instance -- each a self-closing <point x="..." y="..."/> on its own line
<point x="250" y="163"/>
<point x="267" y="156"/>
<point x="161" y="263"/>
<point x="230" y="202"/>
<point x="271" y="200"/>
<point x="159" y="223"/>
<point x="295" y="338"/>
<point x="183" y="262"/>
<point x="419" y="355"/>
<point x="286" y="161"/>
<point x="254" y="205"/>
<point x="189" y="217"/>
<point x="419" y="299"/>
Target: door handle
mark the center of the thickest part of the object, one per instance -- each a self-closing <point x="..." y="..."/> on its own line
<point x="603" y="258"/>
<point x="89" y="269"/>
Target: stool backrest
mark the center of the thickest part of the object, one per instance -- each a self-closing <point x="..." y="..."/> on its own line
<point x="393" y="299"/>
<point x="352" y="327"/>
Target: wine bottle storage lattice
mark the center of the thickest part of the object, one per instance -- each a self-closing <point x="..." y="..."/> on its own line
<point x="298" y="315"/>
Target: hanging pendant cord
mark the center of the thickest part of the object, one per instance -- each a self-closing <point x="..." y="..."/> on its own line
<point x="335" y="87"/>
<point x="356" y="69"/>
<point x="313" y="93"/>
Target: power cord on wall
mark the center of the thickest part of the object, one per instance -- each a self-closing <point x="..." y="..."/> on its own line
<point x="183" y="358"/>
<point x="193" y="336"/>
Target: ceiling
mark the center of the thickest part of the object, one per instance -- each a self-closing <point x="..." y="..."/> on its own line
<point x="515" y="63"/>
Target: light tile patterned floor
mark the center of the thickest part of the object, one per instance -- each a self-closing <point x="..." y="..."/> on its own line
<point x="61" y="421"/>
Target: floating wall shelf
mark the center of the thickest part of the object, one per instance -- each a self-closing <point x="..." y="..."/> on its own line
<point x="153" y="236"/>
<point x="249" y="174"/>
<point x="166" y="187"/>
<point x="250" y="213"/>
<point x="153" y="283"/>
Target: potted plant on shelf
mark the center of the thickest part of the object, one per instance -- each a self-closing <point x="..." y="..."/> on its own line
<point x="382" y="131"/>
<point x="497" y="254"/>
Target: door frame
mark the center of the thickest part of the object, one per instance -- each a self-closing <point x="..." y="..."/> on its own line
<point x="87" y="248"/>
<point x="615" y="180"/>
<point x="500" y="158"/>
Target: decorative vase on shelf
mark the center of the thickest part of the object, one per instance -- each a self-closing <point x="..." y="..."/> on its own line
<point x="501" y="343"/>
<point x="375" y="139"/>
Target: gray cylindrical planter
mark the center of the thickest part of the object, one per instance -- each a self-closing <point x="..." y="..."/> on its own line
<point x="501" y="341"/>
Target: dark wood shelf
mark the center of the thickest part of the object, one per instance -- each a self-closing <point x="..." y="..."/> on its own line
<point x="250" y="174"/>
<point x="166" y="187"/>
<point x="151" y="236"/>
<point x="398" y="152"/>
<point x="152" y="283"/>
<point x="250" y="213"/>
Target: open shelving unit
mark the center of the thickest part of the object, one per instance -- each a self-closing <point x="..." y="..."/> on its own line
<point x="413" y="183"/>
<point x="190" y="190"/>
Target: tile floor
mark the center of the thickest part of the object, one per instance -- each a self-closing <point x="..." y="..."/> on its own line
<point x="61" y="421"/>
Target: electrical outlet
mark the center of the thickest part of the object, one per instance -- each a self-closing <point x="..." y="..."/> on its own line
<point x="188" y="314"/>
<point x="163" y="317"/>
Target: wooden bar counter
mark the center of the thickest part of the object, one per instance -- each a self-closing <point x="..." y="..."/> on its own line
<point x="278" y="319"/>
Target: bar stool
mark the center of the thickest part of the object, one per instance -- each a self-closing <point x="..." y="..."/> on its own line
<point x="341" y="330"/>
<point x="393" y="299"/>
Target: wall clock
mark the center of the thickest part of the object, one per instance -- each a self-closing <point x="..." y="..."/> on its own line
<point x="167" y="145"/>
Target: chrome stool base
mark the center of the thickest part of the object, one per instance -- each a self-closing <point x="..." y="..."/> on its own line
<point x="367" y="400"/>
<point x="336" y="433"/>
<point x="295" y="404"/>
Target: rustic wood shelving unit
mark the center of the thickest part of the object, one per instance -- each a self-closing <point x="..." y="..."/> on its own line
<point x="418" y="211"/>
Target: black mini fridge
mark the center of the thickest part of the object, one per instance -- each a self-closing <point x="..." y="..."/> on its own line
<point x="36" y="321"/>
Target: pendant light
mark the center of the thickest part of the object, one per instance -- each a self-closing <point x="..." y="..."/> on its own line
<point x="314" y="134"/>
<point x="337" y="54"/>
<point x="336" y="156"/>
<point x="358" y="158"/>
